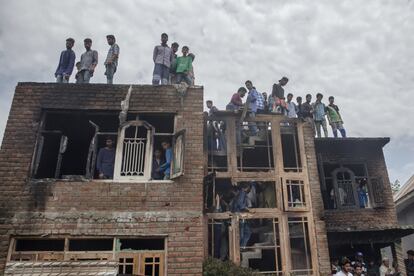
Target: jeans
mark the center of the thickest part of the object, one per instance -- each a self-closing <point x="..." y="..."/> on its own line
<point x="252" y="125"/>
<point x="338" y="125"/>
<point x="245" y="233"/>
<point x="318" y="125"/>
<point x="85" y="76"/>
<point x="109" y="72"/>
<point x="183" y="77"/>
<point x="161" y="73"/>
<point x="61" y="79"/>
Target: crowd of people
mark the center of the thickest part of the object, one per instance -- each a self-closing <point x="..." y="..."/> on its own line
<point x="261" y="103"/>
<point x="358" y="267"/>
<point x="169" y="68"/>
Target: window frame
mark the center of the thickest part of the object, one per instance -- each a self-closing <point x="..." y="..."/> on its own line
<point x="302" y="186"/>
<point x="176" y="136"/>
<point x="334" y="174"/>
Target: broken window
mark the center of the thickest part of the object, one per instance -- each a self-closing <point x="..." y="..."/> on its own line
<point x="300" y="249"/>
<point x="254" y="151"/>
<point x="260" y="245"/>
<point x="216" y="145"/>
<point x="290" y="147"/>
<point x="177" y="164"/>
<point x="218" y="238"/>
<point x="133" y="158"/>
<point x="294" y="194"/>
<point x="29" y="249"/>
<point x="348" y="186"/>
<point x="64" y="142"/>
<point x="224" y="196"/>
<point x="91" y="244"/>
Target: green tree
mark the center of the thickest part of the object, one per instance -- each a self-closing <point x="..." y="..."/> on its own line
<point x="215" y="267"/>
<point x="395" y="187"/>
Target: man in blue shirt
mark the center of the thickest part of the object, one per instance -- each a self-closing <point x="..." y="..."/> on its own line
<point x="106" y="159"/>
<point x="66" y="62"/>
<point x="166" y="167"/>
<point x="319" y="112"/>
<point x="252" y="97"/>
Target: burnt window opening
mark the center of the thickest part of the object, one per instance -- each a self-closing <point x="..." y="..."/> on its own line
<point x="91" y="244"/>
<point x="218" y="238"/>
<point x="300" y="248"/>
<point x="260" y="244"/>
<point x="62" y="147"/>
<point x="254" y="151"/>
<point x="290" y="148"/>
<point x="348" y="186"/>
<point x="141" y="244"/>
<point x="23" y="245"/>
<point x="216" y="141"/>
<point x="221" y="195"/>
<point x="294" y="194"/>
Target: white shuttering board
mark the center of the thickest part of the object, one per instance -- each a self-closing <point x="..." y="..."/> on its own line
<point x="66" y="268"/>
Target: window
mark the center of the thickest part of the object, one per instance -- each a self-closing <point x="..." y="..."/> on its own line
<point x="260" y="245"/>
<point x="294" y="194"/>
<point x="300" y="250"/>
<point x="216" y="141"/>
<point x="177" y="165"/>
<point x="218" y="238"/>
<point x="254" y="151"/>
<point x="290" y="147"/>
<point x="348" y="186"/>
<point x="135" y="256"/>
<point x="134" y="151"/>
<point x="221" y="195"/>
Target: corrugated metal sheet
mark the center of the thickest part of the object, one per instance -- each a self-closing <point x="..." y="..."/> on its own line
<point x="66" y="268"/>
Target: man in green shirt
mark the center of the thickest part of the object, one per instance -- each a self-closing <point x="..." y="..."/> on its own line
<point x="183" y="66"/>
<point x="334" y="118"/>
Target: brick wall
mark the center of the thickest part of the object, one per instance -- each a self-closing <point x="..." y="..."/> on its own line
<point x="96" y="207"/>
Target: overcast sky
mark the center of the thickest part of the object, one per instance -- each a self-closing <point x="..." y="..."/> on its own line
<point x="359" y="51"/>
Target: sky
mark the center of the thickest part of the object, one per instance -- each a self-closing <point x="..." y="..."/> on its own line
<point x="361" y="52"/>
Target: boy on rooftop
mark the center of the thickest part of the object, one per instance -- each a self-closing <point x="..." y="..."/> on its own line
<point x="183" y="66"/>
<point x="162" y="57"/>
<point x="319" y="116"/>
<point x="334" y="118"/>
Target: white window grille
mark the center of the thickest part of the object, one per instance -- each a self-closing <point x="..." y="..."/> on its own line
<point x="134" y="151"/>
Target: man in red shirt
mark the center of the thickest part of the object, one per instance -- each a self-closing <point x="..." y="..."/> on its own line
<point x="236" y="101"/>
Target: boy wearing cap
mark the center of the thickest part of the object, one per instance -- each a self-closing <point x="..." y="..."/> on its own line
<point x="111" y="61"/>
<point x="162" y="57"/>
<point x="66" y="62"/>
<point x="88" y="61"/>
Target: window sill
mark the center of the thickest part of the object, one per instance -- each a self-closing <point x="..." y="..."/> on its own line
<point x="52" y="180"/>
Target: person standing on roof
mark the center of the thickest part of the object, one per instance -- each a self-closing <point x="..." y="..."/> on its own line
<point x="291" y="107"/>
<point x="162" y="57"/>
<point x="66" y="62"/>
<point x="111" y="62"/>
<point x="252" y="105"/>
<point x="319" y="116"/>
<point x="174" y="49"/>
<point x="183" y="67"/>
<point x="88" y="61"/>
<point x="236" y="101"/>
<point x="334" y="118"/>
<point x="278" y="94"/>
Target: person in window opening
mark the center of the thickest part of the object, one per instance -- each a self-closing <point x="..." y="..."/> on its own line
<point x="162" y="57"/>
<point x="299" y="107"/>
<point x="166" y="167"/>
<point x="252" y="105"/>
<point x="278" y="94"/>
<point x="66" y="62"/>
<point x="240" y="204"/>
<point x="386" y="269"/>
<point x="88" y="61"/>
<point x="290" y="107"/>
<point x="346" y="268"/>
<point x="157" y="173"/>
<point x="183" y="66"/>
<point x="319" y="116"/>
<point x="174" y="50"/>
<point x="106" y="159"/>
<point x="236" y="102"/>
<point x="111" y="61"/>
<point x="409" y="263"/>
<point x="363" y="193"/>
<point x="334" y="118"/>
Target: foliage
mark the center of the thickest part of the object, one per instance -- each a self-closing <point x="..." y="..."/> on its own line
<point x="395" y="187"/>
<point x="215" y="267"/>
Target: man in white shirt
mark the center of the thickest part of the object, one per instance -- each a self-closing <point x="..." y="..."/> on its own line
<point x="346" y="268"/>
<point x="291" y="107"/>
<point x="385" y="268"/>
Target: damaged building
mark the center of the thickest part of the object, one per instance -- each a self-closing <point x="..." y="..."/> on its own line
<point x="302" y="209"/>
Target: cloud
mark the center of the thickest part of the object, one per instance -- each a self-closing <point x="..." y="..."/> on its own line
<point x="359" y="51"/>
